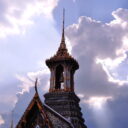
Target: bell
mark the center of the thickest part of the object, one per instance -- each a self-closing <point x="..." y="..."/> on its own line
<point x="61" y="78"/>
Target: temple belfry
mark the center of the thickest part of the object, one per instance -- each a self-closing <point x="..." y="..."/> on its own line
<point x="61" y="105"/>
<point x="62" y="66"/>
<point x="61" y="96"/>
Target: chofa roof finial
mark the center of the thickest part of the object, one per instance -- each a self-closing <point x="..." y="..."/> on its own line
<point x="36" y="85"/>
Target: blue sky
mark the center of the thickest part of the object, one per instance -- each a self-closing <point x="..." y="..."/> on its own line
<point x="96" y="35"/>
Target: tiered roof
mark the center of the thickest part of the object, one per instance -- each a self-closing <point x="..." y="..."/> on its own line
<point x="62" y="53"/>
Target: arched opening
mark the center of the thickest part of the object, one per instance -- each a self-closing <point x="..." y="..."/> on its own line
<point x="59" y="77"/>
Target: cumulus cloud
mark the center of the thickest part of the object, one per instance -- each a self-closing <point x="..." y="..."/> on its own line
<point x="121" y="15"/>
<point x="17" y="15"/>
<point x="100" y="48"/>
<point x="92" y="40"/>
<point x="28" y="81"/>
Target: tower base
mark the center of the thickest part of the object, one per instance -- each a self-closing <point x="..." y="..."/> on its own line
<point x="66" y="104"/>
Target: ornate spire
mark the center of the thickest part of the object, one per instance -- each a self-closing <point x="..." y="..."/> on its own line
<point x="63" y="25"/>
<point x="62" y="53"/>
<point x="62" y="50"/>
<point x="36" y="86"/>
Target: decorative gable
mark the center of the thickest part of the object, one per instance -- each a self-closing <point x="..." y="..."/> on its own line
<point x="35" y="115"/>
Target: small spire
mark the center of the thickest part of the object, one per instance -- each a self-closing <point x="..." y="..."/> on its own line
<point x="63" y="36"/>
<point x="62" y="48"/>
<point x="63" y="45"/>
<point x="36" y="85"/>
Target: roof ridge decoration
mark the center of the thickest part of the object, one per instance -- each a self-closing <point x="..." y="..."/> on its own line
<point x="36" y="91"/>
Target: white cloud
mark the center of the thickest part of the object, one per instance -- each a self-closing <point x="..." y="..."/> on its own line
<point x="19" y="14"/>
<point x="80" y="95"/>
<point x="94" y="42"/>
<point x="28" y="81"/>
<point x="97" y="102"/>
<point x="121" y="15"/>
<point x="109" y="64"/>
<point x="100" y="49"/>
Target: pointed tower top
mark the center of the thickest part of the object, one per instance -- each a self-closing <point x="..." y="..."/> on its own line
<point x="62" y="48"/>
<point x="36" y="85"/>
<point x="62" y="53"/>
<point x="63" y="25"/>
